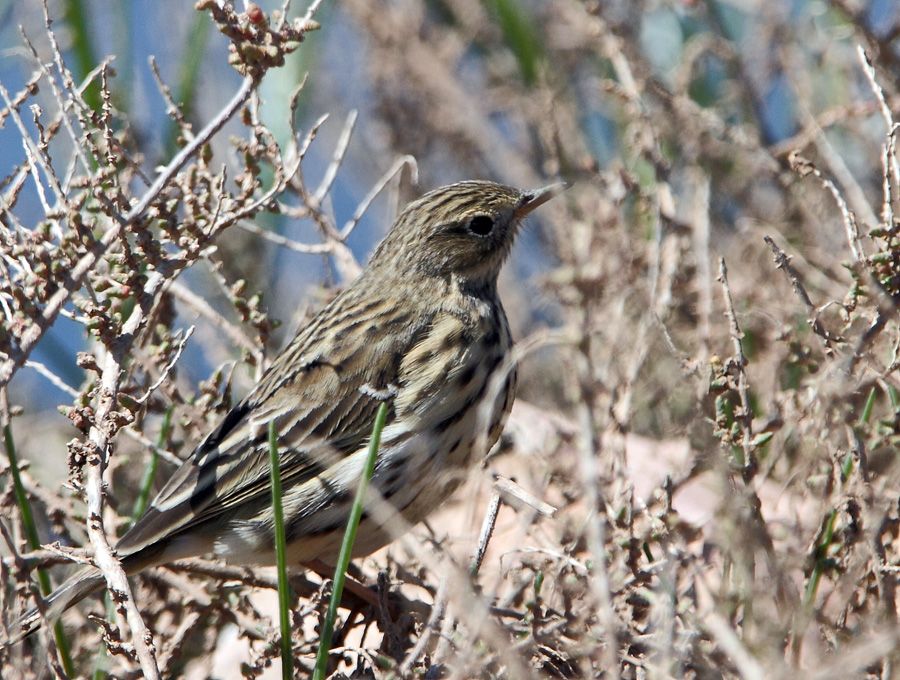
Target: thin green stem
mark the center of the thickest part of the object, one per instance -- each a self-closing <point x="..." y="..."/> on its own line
<point x="140" y="504"/>
<point x="28" y="525"/>
<point x="34" y="543"/>
<point x="76" y="16"/>
<point x="521" y="36"/>
<point x="284" y="592"/>
<point x="340" y="571"/>
<point x="867" y="409"/>
<point x="812" y="585"/>
<point x="100" y="660"/>
<point x="188" y="75"/>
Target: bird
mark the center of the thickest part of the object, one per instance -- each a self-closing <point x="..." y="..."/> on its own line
<point x="421" y="328"/>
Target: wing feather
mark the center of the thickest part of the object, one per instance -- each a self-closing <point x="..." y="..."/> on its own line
<point x="321" y="393"/>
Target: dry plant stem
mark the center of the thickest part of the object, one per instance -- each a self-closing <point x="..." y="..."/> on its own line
<point x="484" y="537"/>
<point x="889" y="160"/>
<point x="37" y="159"/>
<point x="444" y="644"/>
<point x="437" y="614"/>
<point x="77" y="103"/>
<point x="881" y="43"/>
<point x="804" y="167"/>
<point x="856" y="658"/>
<point x="721" y="631"/>
<point x="345" y="263"/>
<point x="58" y="643"/>
<point x="339" y="150"/>
<point x="835" y="115"/>
<point x="518" y="498"/>
<point x="376" y="189"/>
<point x="869" y="70"/>
<point x="783" y="262"/>
<point x="104" y="558"/>
<point x="595" y="527"/>
<point x="482" y="628"/>
<point x="487" y="530"/>
<point x="427" y="70"/>
<point x="54" y="379"/>
<point x="856" y="197"/>
<point x="45" y="557"/>
<point x="664" y="661"/>
<point x="52" y="649"/>
<point x="886" y="309"/>
<point x="168" y="367"/>
<point x="172" y="109"/>
<point x="194" y="592"/>
<point x="54" y="305"/>
<point x="175" y="640"/>
<point x="99" y="435"/>
<point x="234" y="332"/>
<point x="743" y="387"/>
<point x="596" y="533"/>
<point x="165" y="454"/>
<point x="891" y="167"/>
<point x="310" y="11"/>
<point x="290" y="244"/>
<point x="58" y="95"/>
<point x="701" y="232"/>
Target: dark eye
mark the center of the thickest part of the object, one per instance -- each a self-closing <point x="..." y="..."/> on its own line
<point x="481" y="225"/>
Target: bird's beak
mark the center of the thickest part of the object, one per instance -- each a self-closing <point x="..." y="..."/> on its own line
<point x="534" y="199"/>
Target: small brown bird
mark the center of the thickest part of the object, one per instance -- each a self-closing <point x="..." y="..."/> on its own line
<point x="423" y="328"/>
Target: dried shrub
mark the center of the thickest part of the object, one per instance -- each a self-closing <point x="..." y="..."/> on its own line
<point x="705" y="446"/>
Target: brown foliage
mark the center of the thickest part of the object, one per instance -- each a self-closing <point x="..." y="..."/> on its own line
<point x="705" y="447"/>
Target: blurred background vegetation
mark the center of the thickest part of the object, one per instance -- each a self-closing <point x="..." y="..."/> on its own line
<point x="690" y="129"/>
<point x="496" y="62"/>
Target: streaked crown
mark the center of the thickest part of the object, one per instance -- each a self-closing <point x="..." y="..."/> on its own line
<point x="464" y="229"/>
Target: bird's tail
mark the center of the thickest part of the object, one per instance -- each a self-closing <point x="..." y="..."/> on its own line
<point x="70" y="593"/>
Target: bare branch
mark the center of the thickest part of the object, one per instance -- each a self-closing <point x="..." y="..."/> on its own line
<point x="56" y="302"/>
<point x="745" y="416"/>
<point x="165" y="372"/>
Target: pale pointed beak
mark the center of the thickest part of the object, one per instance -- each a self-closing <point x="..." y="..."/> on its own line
<point x="534" y="199"/>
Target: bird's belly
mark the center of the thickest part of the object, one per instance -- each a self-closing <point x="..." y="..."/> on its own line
<point x="416" y="473"/>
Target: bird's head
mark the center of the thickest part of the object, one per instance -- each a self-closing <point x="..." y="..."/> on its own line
<point x="464" y="230"/>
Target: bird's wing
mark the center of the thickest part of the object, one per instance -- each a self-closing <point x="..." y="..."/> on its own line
<point x="322" y="392"/>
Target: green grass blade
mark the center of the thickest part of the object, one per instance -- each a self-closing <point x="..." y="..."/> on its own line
<point x="76" y="16"/>
<point x="188" y="75"/>
<point x="140" y="504"/>
<point x="340" y="571"/>
<point x="867" y="409"/>
<point x="284" y="594"/>
<point x="34" y="543"/>
<point x="520" y="35"/>
<point x="893" y="396"/>
<point x="812" y="586"/>
<point x="827" y="534"/>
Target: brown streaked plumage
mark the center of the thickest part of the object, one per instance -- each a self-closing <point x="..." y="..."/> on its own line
<point x="422" y="327"/>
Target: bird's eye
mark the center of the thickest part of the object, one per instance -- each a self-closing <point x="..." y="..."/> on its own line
<point x="481" y="225"/>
